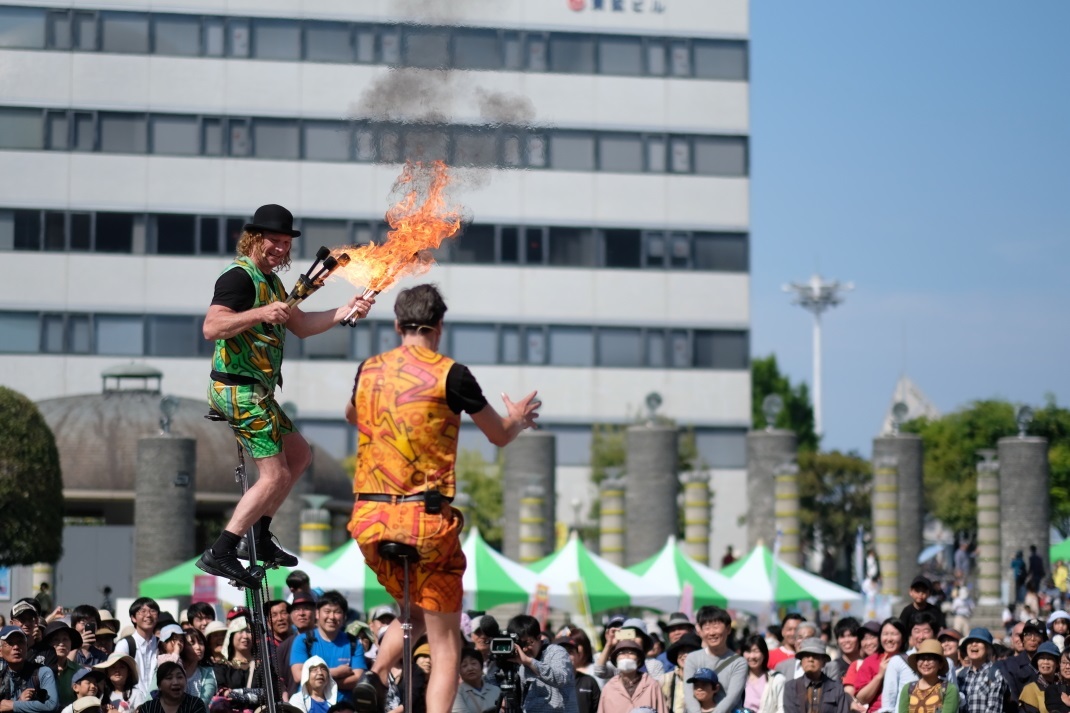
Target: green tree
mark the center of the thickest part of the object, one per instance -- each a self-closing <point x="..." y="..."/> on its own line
<point x="834" y="501"/>
<point x="797" y="414"/>
<point x="951" y="445"/>
<point x="31" y="484"/>
<point x="482" y="482"/>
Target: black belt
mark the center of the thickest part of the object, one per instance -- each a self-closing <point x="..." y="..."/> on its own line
<point x="383" y="498"/>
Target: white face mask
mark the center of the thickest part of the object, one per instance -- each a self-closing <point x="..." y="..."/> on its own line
<point x="627" y="665"/>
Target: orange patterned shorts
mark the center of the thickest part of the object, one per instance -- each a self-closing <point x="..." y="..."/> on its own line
<point x="435" y="582"/>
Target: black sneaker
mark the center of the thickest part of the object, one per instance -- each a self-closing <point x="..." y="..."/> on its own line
<point x="369" y="695"/>
<point x="228" y="567"/>
<point x="267" y="551"/>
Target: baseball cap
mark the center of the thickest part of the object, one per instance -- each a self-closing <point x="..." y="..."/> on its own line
<point x="384" y="610"/>
<point x="21" y="607"/>
<point x="236" y="612"/>
<point x="302" y="598"/>
<point x="7" y="631"/>
<point x="947" y="633"/>
<point x="615" y="622"/>
<point x="921" y="582"/>
<point x="85" y="704"/>
<point x="83" y="672"/>
<point x="704" y="674"/>
<point x="1035" y="625"/>
<point x="171" y="630"/>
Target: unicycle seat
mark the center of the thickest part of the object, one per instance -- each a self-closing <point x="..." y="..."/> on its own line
<point x="398" y="552"/>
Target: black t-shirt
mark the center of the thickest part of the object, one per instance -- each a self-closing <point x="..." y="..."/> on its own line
<point x="907" y="615"/>
<point x="234" y="289"/>
<point x="462" y="390"/>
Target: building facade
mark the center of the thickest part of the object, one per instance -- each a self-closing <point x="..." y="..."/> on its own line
<point x="605" y="151"/>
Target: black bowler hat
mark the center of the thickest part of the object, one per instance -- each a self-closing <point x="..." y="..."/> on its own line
<point x="272" y="218"/>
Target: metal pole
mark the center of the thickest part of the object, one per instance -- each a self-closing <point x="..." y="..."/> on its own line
<point x="817" y="373"/>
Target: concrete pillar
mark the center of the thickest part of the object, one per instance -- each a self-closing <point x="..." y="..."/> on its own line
<point x="529" y="460"/>
<point x="885" y="503"/>
<point x="315" y="537"/>
<point x="697" y="517"/>
<point x="907" y="449"/>
<point x="786" y="491"/>
<point x="989" y="565"/>
<point x="1025" y="497"/>
<point x="611" y="520"/>
<point x="766" y="450"/>
<point x="164" y="507"/>
<point x="463" y="504"/>
<point x="650" y="495"/>
<point x="533" y="542"/>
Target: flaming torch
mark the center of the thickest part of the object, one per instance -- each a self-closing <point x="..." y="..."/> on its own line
<point x="313" y="279"/>
<point x="419" y="222"/>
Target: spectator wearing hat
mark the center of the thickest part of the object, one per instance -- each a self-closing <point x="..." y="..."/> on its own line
<point x="672" y="683"/>
<point x="546" y="672"/>
<point x="869" y="681"/>
<point x="27" y="616"/>
<point x="949" y="644"/>
<point x="1018" y="669"/>
<point x="214" y="635"/>
<point x="791" y="668"/>
<point x="706" y="687"/>
<point x="633" y="687"/>
<point x="931" y="690"/>
<point x="120" y="688"/>
<point x="474" y="694"/>
<point x="1057" y="697"/>
<point x="814" y="692"/>
<point x="633" y="629"/>
<point x="1046" y="662"/>
<point x="63" y="639"/>
<point x="25" y="686"/>
<point x="318" y="691"/>
<point x="172" y="640"/>
<point x="172" y="696"/>
<point x="715" y="626"/>
<point x="142" y="645"/>
<point x="899" y="671"/>
<point x="1058" y="628"/>
<point x="982" y="685"/>
<point x="677" y="625"/>
<point x="88" y="704"/>
<point x="588" y="690"/>
<point x="303" y="620"/>
<point x="237" y="668"/>
<point x="87" y="683"/>
<point x="920" y="589"/>
<point x="786" y="650"/>
<point x="869" y="643"/>
<point x="380" y="617"/>
<point x="764" y="692"/>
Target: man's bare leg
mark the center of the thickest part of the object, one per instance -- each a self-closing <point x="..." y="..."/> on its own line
<point x="269" y="490"/>
<point x="444" y="638"/>
<point x="390" y="648"/>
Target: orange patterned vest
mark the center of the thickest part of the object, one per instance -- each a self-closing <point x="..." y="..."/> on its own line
<point x="407" y="433"/>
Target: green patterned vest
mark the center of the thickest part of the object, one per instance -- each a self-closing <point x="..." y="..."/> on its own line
<point x="256" y="352"/>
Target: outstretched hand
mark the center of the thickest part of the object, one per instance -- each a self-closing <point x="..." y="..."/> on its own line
<point x="362" y="304"/>
<point x="524" y="411"/>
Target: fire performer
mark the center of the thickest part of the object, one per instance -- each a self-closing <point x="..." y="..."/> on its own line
<point x="248" y="320"/>
<point x="407" y="406"/>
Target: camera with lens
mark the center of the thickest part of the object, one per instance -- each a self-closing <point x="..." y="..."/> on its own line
<point x="502" y="647"/>
<point x="251" y="698"/>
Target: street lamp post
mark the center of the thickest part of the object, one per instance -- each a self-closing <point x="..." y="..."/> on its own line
<point x="816" y="296"/>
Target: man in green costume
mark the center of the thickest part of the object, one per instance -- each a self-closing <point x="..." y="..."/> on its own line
<point x="248" y="320"/>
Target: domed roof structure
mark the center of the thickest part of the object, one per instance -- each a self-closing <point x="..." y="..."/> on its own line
<point x="97" y="436"/>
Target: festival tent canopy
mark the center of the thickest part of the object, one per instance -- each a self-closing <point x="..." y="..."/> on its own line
<point x="606" y="585"/>
<point x="1060" y="551"/>
<point x="671" y="570"/>
<point x="354" y="578"/>
<point x="179" y="581"/>
<point x="785" y="586"/>
<point x="492" y="579"/>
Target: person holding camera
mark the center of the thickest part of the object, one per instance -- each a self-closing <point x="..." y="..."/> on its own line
<point x="547" y="680"/>
<point x="407" y="405"/>
<point x="25" y="686"/>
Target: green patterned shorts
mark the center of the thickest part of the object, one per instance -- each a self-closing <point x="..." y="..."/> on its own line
<point x="257" y="419"/>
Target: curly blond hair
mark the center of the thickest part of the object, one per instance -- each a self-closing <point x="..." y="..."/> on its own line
<point x="251" y="244"/>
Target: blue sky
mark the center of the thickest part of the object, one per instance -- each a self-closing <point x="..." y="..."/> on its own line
<point x="922" y="151"/>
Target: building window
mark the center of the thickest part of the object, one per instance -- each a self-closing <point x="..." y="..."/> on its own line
<point x="81" y="231"/>
<point x="510" y="246"/>
<point x="620" y="347"/>
<point x="656" y="63"/>
<point x="426" y="144"/>
<point x="476" y="49"/>
<point x="680" y="150"/>
<point x="331" y="437"/>
<point x="20" y="229"/>
<point x="277" y="40"/>
<point x="387" y="338"/>
<point x="720" y="60"/>
<point x="209" y="236"/>
<point x="510" y="345"/>
<point x="537" y="151"/>
<point x="475" y="148"/>
<point x="85" y="134"/>
<point x="124" y="32"/>
<point x="175" y="234"/>
<point x="534" y="345"/>
<point x="365" y="45"/>
<point x="332" y="344"/>
<point x="622" y="56"/>
<point x="679" y="349"/>
<point x="475" y="245"/>
<point x="724" y="253"/>
<point x="721" y="156"/>
<point x="573" y="54"/>
<point x="389" y="147"/>
<point x="365" y="145"/>
<point x="173" y="336"/>
<point x="123" y="133"/>
<point x="571" y="346"/>
<point x="55" y="230"/>
<point x="20" y="333"/>
<point x="214" y="37"/>
<point x="115" y="233"/>
<point x="428" y="49"/>
<point x="276" y="138"/>
<point x="238" y="37"/>
<point x="512" y="51"/>
<point x="122" y="336"/>
<point x="655" y="349"/>
<point x="176" y="135"/>
<point x="473" y="343"/>
<point x="721" y="350"/>
<point x="390" y="45"/>
<point x="328" y="42"/>
<point x="22" y="28"/>
<point x="178" y="35"/>
<point x="22" y="129"/>
<point x="572" y="247"/>
<point x="333" y="233"/>
<point x="59" y="135"/>
<point x="536" y="54"/>
<point x="534" y="246"/>
<point x="623" y="248"/>
<point x="620" y="153"/>
<point x="59" y="29"/>
<point x="656" y="160"/>
<point x="326" y="140"/>
<point x="572" y="152"/>
<point x="680" y="59"/>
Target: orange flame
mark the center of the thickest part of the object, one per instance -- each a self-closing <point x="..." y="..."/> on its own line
<point x="419" y="222"/>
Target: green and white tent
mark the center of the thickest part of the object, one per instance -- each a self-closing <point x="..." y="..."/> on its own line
<point x="670" y="570"/>
<point x="782" y="585"/>
<point x="606" y="585"/>
<point x="491" y="578"/>
<point x="355" y="579"/>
